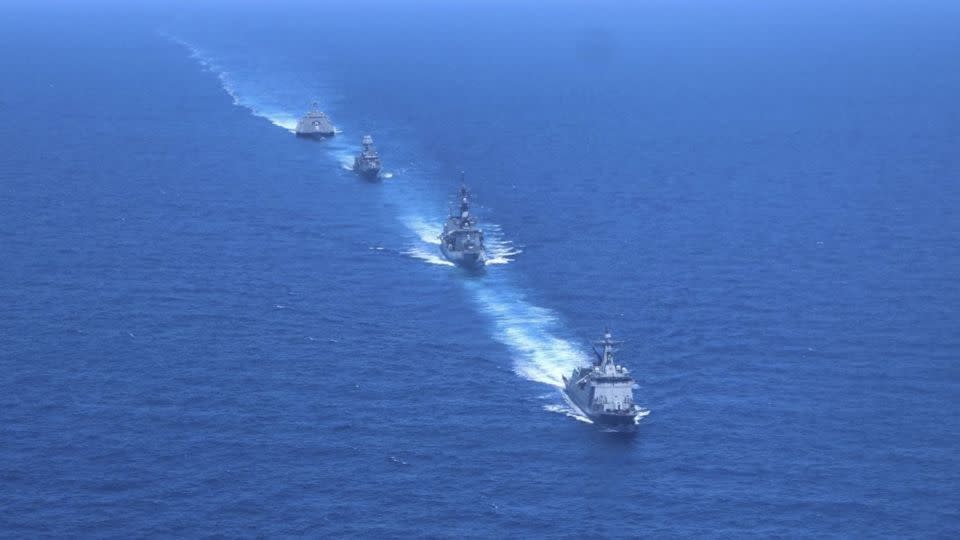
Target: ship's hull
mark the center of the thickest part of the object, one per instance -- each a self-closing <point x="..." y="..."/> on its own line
<point x="620" y="420"/>
<point x="315" y="134"/>
<point x="369" y="173"/>
<point x="367" y="168"/>
<point x="617" y="420"/>
<point x="472" y="259"/>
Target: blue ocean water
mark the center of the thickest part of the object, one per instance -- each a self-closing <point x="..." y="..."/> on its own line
<point x="211" y="328"/>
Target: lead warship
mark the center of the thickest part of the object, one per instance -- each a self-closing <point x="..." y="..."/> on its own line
<point x="461" y="241"/>
<point x="315" y="124"/>
<point x="603" y="391"/>
<point x="367" y="163"/>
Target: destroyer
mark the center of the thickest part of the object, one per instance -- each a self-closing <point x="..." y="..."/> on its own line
<point x="603" y="391"/>
<point x="461" y="241"/>
<point x="315" y="124"/>
<point x="367" y="163"/>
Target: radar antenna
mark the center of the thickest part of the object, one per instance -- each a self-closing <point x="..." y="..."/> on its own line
<point x="609" y="347"/>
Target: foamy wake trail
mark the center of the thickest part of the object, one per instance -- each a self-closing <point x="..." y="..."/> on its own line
<point x="276" y="115"/>
<point x="427" y="231"/>
<point x="341" y="150"/>
<point x="429" y="234"/>
<point x="641" y="415"/>
<point x="427" y="255"/>
<point x="566" y="410"/>
<point x="499" y="249"/>
<point x="281" y="120"/>
<point x="530" y="331"/>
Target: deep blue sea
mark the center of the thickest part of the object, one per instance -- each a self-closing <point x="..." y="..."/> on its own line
<point x="211" y="328"/>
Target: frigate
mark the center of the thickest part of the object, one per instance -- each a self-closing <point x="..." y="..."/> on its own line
<point x="315" y="124"/>
<point x="461" y="241"/>
<point x="603" y="391"/>
<point x="367" y="163"/>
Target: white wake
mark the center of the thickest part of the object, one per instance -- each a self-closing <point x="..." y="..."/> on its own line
<point x="275" y="114"/>
<point x="532" y="333"/>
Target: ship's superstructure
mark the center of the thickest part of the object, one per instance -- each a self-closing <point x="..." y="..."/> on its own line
<point x="461" y="241"/>
<point x="315" y="124"/>
<point x="367" y="163"/>
<point x="603" y="391"/>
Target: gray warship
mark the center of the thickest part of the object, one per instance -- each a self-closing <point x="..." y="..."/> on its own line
<point x="367" y="163"/>
<point x="461" y="241"/>
<point x="603" y="391"/>
<point x="315" y="124"/>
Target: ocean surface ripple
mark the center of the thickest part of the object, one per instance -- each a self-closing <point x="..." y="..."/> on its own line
<point x="211" y="328"/>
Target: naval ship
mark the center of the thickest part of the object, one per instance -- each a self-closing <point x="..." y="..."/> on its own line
<point x="603" y="391"/>
<point x="367" y="163"/>
<point x="315" y="124"/>
<point x="461" y="241"/>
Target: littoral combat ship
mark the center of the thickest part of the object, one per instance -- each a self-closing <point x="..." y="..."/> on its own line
<point x="367" y="163"/>
<point x="315" y="124"/>
<point x="461" y="241"/>
<point x="603" y="391"/>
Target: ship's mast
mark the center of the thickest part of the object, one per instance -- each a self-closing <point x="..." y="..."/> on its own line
<point x="608" y="344"/>
<point x="464" y="200"/>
